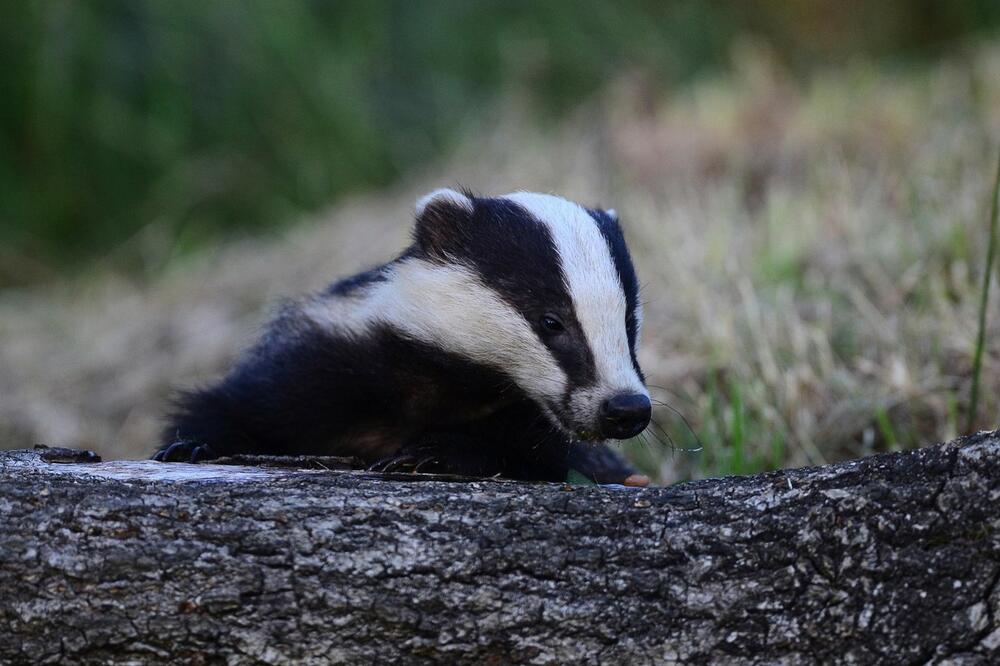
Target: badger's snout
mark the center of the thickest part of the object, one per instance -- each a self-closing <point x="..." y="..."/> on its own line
<point x="624" y="415"/>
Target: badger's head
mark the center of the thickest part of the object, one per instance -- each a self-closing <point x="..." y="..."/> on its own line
<point x="541" y="289"/>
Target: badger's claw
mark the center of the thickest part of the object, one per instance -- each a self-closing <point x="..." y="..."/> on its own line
<point x="404" y="462"/>
<point x="185" y="451"/>
<point x="201" y="453"/>
<point x="392" y="463"/>
<point x="426" y="461"/>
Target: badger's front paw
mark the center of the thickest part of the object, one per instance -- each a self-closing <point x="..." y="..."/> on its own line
<point x="600" y="464"/>
<point x="185" y="451"/>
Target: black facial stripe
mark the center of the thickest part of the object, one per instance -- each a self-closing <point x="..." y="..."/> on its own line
<point x="352" y="284"/>
<point x="516" y="256"/>
<point x="612" y="233"/>
<point x="355" y="283"/>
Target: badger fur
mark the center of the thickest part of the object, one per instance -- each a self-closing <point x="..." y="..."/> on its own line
<point x="502" y="341"/>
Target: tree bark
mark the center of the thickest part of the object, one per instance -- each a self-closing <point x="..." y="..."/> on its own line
<point x="889" y="559"/>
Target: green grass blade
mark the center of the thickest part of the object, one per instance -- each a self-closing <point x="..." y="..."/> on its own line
<point x="885" y="427"/>
<point x="737" y="432"/>
<point x="977" y="364"/>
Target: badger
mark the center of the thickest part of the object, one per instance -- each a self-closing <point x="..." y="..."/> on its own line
<point x="501" y="342"/>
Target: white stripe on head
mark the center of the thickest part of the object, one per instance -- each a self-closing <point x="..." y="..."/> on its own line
<point x="449" y="307"/>
<point x="593" y="284"/>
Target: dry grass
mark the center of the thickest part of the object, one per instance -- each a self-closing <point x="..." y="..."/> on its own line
<point x="812" y="257"/>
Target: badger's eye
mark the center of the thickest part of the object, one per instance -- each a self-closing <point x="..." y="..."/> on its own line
<point x="552" y="324"/>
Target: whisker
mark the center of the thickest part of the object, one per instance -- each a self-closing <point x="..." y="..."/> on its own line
<point x="642" y="440"/>
<point x="670" y="392"/>
<point x="656" y="437"/>
<point x="663" y="432"/>
<point x="687" y="424"/>
<point x="673" y="444"/>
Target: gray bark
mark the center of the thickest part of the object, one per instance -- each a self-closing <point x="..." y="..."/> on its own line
<point x="894" y="558"/>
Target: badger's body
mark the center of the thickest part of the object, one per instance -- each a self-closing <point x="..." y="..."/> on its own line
<point x="502" y="341"/>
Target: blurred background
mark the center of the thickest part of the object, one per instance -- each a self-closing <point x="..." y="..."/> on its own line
<point x="805" y="185"/>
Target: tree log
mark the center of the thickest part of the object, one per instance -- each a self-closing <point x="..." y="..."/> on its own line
<point x="888" y="559"/>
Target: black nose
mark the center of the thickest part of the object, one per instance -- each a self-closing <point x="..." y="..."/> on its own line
<point x="625" y="415"/>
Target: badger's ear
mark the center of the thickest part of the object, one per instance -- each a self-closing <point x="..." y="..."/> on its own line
<point x="605" y="216"/>
<point x="442" y="217"/>
<point x="443" y="198"/>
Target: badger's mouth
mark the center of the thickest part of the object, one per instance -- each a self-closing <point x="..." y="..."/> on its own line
<point x="565" y="425"/>
<point x="621" y="416"/>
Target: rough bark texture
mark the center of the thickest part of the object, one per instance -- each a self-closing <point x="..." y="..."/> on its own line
<point x="890" y="559"/>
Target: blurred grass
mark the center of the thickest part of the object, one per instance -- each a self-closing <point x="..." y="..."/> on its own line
<point x="805" y="191"/>
<point x="811" y="252"/>
<point x="201" y="117"/>
<point x="155" y="126"/>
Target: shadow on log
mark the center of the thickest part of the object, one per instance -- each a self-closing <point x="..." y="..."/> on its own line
<point x="890" y="559"/>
